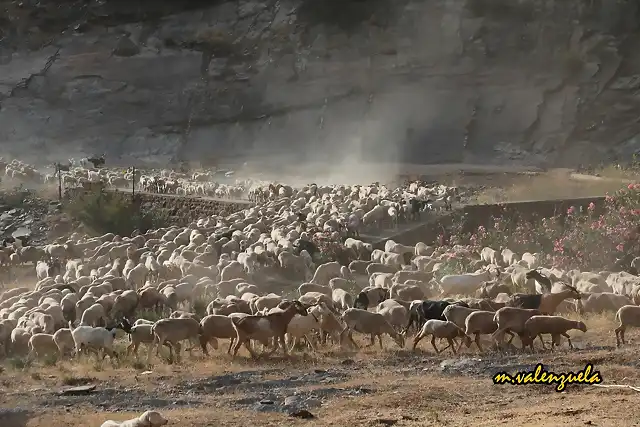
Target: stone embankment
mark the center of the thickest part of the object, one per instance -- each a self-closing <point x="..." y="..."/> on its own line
<point x="183" y="210"/>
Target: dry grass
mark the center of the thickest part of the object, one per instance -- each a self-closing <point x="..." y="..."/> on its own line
<point x="409" y="389"/>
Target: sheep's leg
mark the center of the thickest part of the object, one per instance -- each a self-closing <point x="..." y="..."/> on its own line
<point x="542" y="341"/>
<point x="170" y="352"/>
<point x="178" y="348"/>
<point x="231" y="341"/>
<point x="433" y="343"/>
<point x="477" y="341"/>
<point x="452" y="345"/>
<point x="498" y="337"/>
<point x="416" y="340"/>
<point x="310" y="342"/>
<point x="292" y="342"/>
<point x="373" y="341"/>
<point x="512" y="336"/>
<point x="351" y="340"/>
<point x="380" y="341"/>
<point x="280" y="339"/>
<point x="564" y="334"/>
<point x="460" y="346"/>
<point x="248" y="347"/>
<point x="236" y="347"/>
<point x="620" y="332"/>
<point x="132" y="347"/>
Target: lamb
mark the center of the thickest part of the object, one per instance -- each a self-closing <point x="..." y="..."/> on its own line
<point x="395" y="313"/>
<point x="42" y="344"/>
<point x="457" y="314"/>
<point x="94" y="339"/>
<point x="370" y="297"/>
<point x="511" y="320"/>
<point x="147" y="419"/>
<point x="263" y="328"/>
<point x="64" y="340"/>
<point x="555" y="325"/>
<point x="626" y="316"/>
<point x="303" y="326"/>
<point x="172" y="331"/>
<point x="442" y="329"/>
<point x="421" y="311"/>
<point x="365" y="322"/>
<point x="214" y="327"/>
<point x="478" y="323"/>
<point x="139" y="333"/>
<point x="342" y="299"/>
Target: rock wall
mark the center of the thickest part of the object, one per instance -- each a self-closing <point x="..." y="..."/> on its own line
<point x="548" y="82"/>
<point x="182" y="210"/>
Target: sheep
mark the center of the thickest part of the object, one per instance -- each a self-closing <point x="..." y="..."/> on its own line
<point x="94" y="316"/>
<point x="214" y="327"/>
<point x="465" y="284"/>
<point x="372" y="324"/>
<point x="457" y="314"/>
<point x="302" y="326"/>
<point x="478" y="323"/>
<point x="442" y="329"/>
<point x="313" y="287"/>
<point x="602" y="301"/>
<point x="626" y="316"/>
<point x="147" y="419"/>
<point x="263" y="328"/>
<point x="370" y="297"/>
<point x="511" y="320"/>
<point x="172" y="331"/>
<point x="421" y="311"/>
<point x="557" y="326"/>
<point x="342" y="299"/>
<point x="395" y="313"/>
<point x="95" y="339"/>
<point x="64" y="340"/>
<point x="42" y="344"/>
<point x="139" y="333"/>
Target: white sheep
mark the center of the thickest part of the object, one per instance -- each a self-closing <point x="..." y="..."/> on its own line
<point x="147" y="419"/>
<point x="442" y="329"/>
<point x="95" y="339"/>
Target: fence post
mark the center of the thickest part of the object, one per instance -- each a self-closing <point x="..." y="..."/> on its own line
<point x="59" y="181"/>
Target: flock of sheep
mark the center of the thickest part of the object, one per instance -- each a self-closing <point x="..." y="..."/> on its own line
<point x="257" y="277"/>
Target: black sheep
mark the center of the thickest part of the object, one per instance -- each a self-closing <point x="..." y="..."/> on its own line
<point x="427" y="310"/>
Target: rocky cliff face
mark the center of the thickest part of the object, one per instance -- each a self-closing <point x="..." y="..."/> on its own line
<point x="551" y="82"/>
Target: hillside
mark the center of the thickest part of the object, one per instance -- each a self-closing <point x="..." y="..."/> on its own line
<point x="539" y="82"/>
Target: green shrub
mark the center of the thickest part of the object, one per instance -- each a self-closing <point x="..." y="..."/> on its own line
<point x="112" y="212"/>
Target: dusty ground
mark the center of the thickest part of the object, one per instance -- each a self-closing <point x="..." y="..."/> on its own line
<point x="369" y="388"/>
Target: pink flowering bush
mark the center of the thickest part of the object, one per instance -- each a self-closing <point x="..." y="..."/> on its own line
<point x="574" y="239"/>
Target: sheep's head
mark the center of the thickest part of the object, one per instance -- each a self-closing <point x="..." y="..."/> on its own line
<point x="153" y="419"/>
<point x="581" y="326"/>
<point x="296" y="306"/>
<point x="573" y="291"/>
